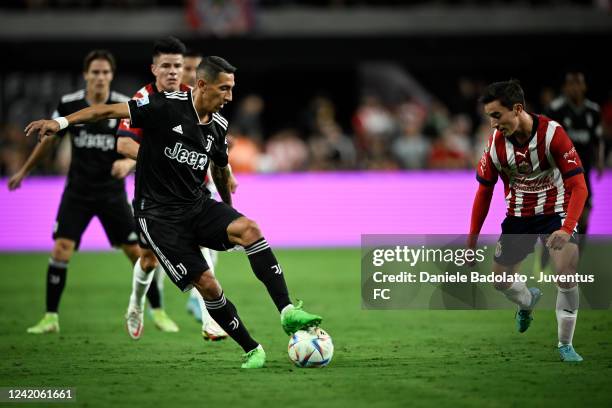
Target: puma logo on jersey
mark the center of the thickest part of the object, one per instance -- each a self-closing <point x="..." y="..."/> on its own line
<point x="194" y="159"/>
<point x="572" y="161"/>
<point x="178" y="129"/>
<point x="524" y="155"/>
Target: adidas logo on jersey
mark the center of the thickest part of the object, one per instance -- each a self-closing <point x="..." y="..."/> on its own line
<point x="178" y="129"/>
<point x="194" y="159"/>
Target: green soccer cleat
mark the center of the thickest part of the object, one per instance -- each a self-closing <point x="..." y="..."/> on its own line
<point x="295" y="319"/>
<point x="163" y="322"/>
<point x="48" y="324"/>
<point x="524" y="317"/>
<point x="568" y="354"/>
<point x="255" y="358"/>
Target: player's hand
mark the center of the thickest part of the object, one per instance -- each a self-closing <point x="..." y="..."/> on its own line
<point x="232" y="183"/>
<point x="15" y="181"/>
<point x="122" y="167"/>
<point x="557" y="240"/>
<point x="42" y="128"/>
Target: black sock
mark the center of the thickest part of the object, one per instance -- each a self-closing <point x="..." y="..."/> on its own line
<point x="56" y="281"/>
<point x="225" y="314"/>
<point x="153" y="294"/>
<point x="268" y="270"/>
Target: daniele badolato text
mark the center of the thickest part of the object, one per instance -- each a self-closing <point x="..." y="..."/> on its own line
<point x="405" y="257"/>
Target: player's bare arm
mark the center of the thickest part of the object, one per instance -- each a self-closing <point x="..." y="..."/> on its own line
<point x="127" y="147"/>
<point x="233" y="183"/>
<point x="221" y="177"/>
<point x="121" y="168"/>
<point x="40" y="151"/>
<point x="48" y="127"/>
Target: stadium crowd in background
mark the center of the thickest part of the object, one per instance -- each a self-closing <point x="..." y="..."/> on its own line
<point x="411" y="134"/>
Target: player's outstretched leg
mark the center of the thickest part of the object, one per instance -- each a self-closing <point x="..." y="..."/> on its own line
<point x="245" y="232"/>
<point x="524" y="316"/>
<point x="159" y="316"/>
<point x="210" y="329"/>
<point x="56" y="281"/>
<point x="567" y="313"/>
<point x="518" y="293"/>
<point x="141" y="281"/>
<point x="149" y="264"/>
<point x="193" y="305"/>
<point x="224" y="312"/>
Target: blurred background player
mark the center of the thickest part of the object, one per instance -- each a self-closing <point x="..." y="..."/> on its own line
<point x="581" y="119"/>
<point x="195" y="305"/>
<point x="545" y="193"/>
<point x="91" y="189"/>
<point x="167" y="68"/>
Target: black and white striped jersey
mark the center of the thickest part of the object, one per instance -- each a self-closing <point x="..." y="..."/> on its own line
<point x="174" y="155"/>
<point x="93" y="149"/>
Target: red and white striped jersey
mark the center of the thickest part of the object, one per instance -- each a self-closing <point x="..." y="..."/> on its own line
<point x="533" y="173"/>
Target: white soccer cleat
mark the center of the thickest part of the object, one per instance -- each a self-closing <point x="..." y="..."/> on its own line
<point x="134" y="322"/>
<point x="212" y="331"/>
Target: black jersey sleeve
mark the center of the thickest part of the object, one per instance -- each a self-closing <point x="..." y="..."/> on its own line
<point x="147" y="112"/>
<point x="220" y="153"/>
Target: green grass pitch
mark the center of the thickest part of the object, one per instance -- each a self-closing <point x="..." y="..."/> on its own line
<point x="382" y="358"/>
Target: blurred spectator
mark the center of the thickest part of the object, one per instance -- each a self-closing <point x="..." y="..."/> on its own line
<point x="465" y="100"/>
<point x="247" y="120"/>
<point x="411" y="149"/>
<point x="331" y="150"/>
<point x="374" y="127"/>
<point x="452" y="150"/>
<point x="244" y="155"/>
<point x="285" y="152"/>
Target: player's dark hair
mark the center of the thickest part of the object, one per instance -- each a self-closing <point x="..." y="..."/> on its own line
<point x="99" y="54"/>
<point x="190" y="52"/>
<point x="168" y="45"/>
<point x="507" y="93"/>
<point x="210" y="67"/>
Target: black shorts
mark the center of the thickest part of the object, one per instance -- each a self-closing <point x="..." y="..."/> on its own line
<point x="114" y="212"/>
<point x="520" y="234"/>
<point x="176" y="244"/>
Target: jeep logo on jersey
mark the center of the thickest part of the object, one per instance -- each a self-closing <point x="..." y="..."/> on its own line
<point x="194" y="159"/>
<point x="86" y="140"/>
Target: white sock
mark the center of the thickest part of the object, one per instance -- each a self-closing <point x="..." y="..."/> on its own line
<point x="140" y="284"/>
<point x="160" y="275"/>
<point x="567" y="313"/>
<point x="205" y="315"/>
<point x="519" y="294"/>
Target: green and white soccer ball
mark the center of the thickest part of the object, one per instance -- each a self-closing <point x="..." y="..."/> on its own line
<point x="311" y="348"/>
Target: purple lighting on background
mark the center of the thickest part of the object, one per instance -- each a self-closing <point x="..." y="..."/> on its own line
<point x="305" y="210"/>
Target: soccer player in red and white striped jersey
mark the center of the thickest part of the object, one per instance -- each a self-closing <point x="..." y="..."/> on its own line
<point x="545" y="193"/>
